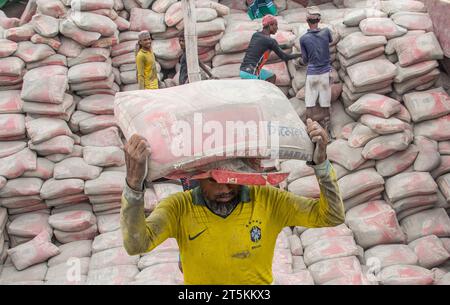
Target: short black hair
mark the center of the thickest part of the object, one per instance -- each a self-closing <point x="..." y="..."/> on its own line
<point x="313" y="21"/>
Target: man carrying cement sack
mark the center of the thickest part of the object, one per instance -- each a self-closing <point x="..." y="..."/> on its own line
<point x="183" y="79"/>
<point x="316" y="54"/>
<point x="260" y="8"/>
<point x="146" y="63"/>
<point x="226" y="232"/>
<point x="258" y="52"/>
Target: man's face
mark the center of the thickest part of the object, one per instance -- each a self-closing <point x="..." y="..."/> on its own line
<point x="182" y="44"/>
<point x="273" y="28"/>
<point x="146" y="43"/>
<point x="219" y="192"/>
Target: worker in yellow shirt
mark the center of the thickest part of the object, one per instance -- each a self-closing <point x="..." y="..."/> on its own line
<point x="145" y="62"/>
<point x="226" y="232"/>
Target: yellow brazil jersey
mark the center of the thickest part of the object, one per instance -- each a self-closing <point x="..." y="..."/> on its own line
<point x="146" y="69"/>
<point x="237" y="249"/>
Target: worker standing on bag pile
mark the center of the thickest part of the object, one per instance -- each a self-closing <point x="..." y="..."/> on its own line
<point x="259" y="50"/>
<point x="147" y="74"/>
<point x="226" y="232"/>
<point x="183" y="79"/>
<point x="316" y="54"/>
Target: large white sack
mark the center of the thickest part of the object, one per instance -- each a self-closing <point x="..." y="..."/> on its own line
<point x="357" y="43"/>
<point x="147" y="20"/>
<point x="97" y="104"/>
<point x="381" y="26"/>
<point x="414" y="49"/>
<point x="435" y="129"/>
<point x="46" y="84"/>
<point x="161" y="6"/>
<point x="53" y="188"/>
<point x="30" y="52"/>
<point x="374" y="223"/>
<point x="45" y="25"/>
<point x="92" y="22"/>
<point x="104" y="156"/>
<point x="305" y="186"/>
<point x="330" y="248"/>
<point x="389" y="255"/>
<point x="310" y="236"/>
<point x="21" y="187"/>
<point x="410" y="184"/>
<point x="77" y="249"/>
<point x="89" y="72"/>
<point x="413" y="20"/>
<point x="430" y="251"/>
<point x="73" y="221"/>
<point x="375" y="104"/>
<point x="429" y="222"/>
<point x="359" y="182"/>
<point x="64" y="273"/>
<point x="91" y="5"/>
<point x="12" y="125"/>
<point x="112" y="257"/>
<point x="15" y="165"/>
<point x="371" y="72"/>
<point x="76" y="168"/>
<point x="297" y="169"/>
<point x="108" y="223"/>
<point x="43" y="129"/>
<point x="9" y="148"/>
<point x="29" y="225"/>
<point x="167" y="49"/>
<point x="382" y="125"/>
<point x="69" y="29"/>
<point x="397" y="162"/>
<point x="405" y="274"/>
<point x="427" y="105"/>
<point x="340" y="152"/>
<point x="393" y="6"/>
<point x="354" y="17"/>
<point x="90" y="55"/>
<point x="114" y="275"/>
<point x="33" y="252"/>
<point x="106" y="183"/>
<point x="386" y="145"/>
<point x="102" y="138"/>
<point x="429" y="157"/>
<point x="360" y="135"/>
<point x="332" y="269"/>
<point x="414" y="70"/>
<point x="107" y="241"/>
<point x="8" y="47"/>
<point x="12" y="66"/>
<point x="68" y="237"/>
<point x="134" y="114"/>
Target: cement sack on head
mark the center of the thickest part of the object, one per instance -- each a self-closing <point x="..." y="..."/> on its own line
<point x="357" y="43"/>
<point x="375" y="104"/>
<point x="72" y="221"/>
<point x="381" y="26"/>
<point x="241" y="94"/>
<point x="415" y="49"/>
<point x="389" y="255"/>
<point x="33" y="252"/>
<point x="371" y="72"/>
<point x="397" y="162"/>
<point x="430" y="251"/>
<point x="384" y="146"/>
<point x="332" y="269"/>
<point x="330" y="248"/>
<point x="436" y="129"/>
<point x="359" y="182"/>
<point x="429" y="222"/>
<point x="374" y="223"/>
<point x="147" y="20"/>
<point x="340" y="152"/>
<point x="15" y="165"/>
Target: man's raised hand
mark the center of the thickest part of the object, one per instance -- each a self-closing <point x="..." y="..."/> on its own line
<point x="137" y="151"/>
<point x="319" y="136"/>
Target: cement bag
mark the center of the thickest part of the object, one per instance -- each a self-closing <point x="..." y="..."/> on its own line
<point x="168" y="49"/>
<point x="45" y="84"/>
<point x="46" y="26"/>
<point x="29" y="225"/>
<point x="102" y="138"/>
<point x="106" y="183"/>
<point x="12" y="125"/>
<point x="12" y="66"/>
<point x="235" y="41"/>
<point x="21" y="187"/>
<point x="69" y="29"/>
<point x="54" y="60"/>
<point x="61" y="274"/>
<point x="161" y="6"/>
<point x="354" y="17"/>
<point x="72" y="221"/>
<point x="397" y="162"/>
<point x="108" y="223"/>
<point x="174" y="14"/>
<point x="115" y="275"/>
<point x="429" y="157"/>
<point x="90" y="55"/>
<point x="360" y="135"/>
<point x="374" y="223"/>
<point x="357" y="43"/>
<point x="403" y="114"/>
<point x="205" y="14"/>
<point x="375" y="104"/>
<point x="392" y="7"/>
<point x="297" y="169"/>
<point x="359" y="182"/>
<point x="444" y="182"/>
<point x="301" y="277"/>
<point x="92" y="22"/>
<point x="371" y="72"/>
<point x="347" y="130"/>
<point x="430" y="251"/>
<point x="43" y="129"/>
<point x="381" y="26"/>
<point x="325" y="249"/>
<point x="427" y="105"/>
<point x="390" y="255"/>
<point x="52" y="188"/>
<point x="57" y="145"/>
<point x="147" y="20"/>
<point x="405" y="274"/>
<point x="214" y="27"/>
<point x="414" y="71"/>
<point x="415" y="49"/>
<point x="382" y="125"/>
<point x="107" y="241"/>
<point x="91" y="5"/>
<point x="89" y="72"/>
<point x="332" y="269"/>
<point x="112" y="257"/>
<point x="305" y="186"/>
<point x="429" y="222"/>
<point x="410" y="184"/>
<point x="15" y="165"/>
<point x="76" y="168"/>
<point x="163" y="160"/>
<point x="7" y="47"/>
<point x="11" y="147"/>
<point x="413" y="21"/>
<point x="18" y="34"/>
<point x="437" y="129"/>
<point x="422" y="82"/>
<point x="54" y="8"/>
<point x="443" y="168"/>
<point x="60" y="111"/>
<point x="68" y="237"/>
<point x="33" y="275"/>
<point x="104" y="156"/>
<point x="124" y="48"/>
<point x="97" y="104"/>
<point x="98" y="123"/>
<point x="364" y="56"/>
<point x="30" y="52"/>
<point x="340" y="152"/>
<point x="386" y="145"/>
<point x="33" y="252"/>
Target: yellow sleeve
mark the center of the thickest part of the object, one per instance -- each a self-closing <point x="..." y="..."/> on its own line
<point x="140" y="67"/>
<point x="142" y="234"/>
<point x="327" y="211"/>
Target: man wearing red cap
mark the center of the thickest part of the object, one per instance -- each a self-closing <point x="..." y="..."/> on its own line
<point x="226" y="231"/>
<point x="259" y="50"/>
